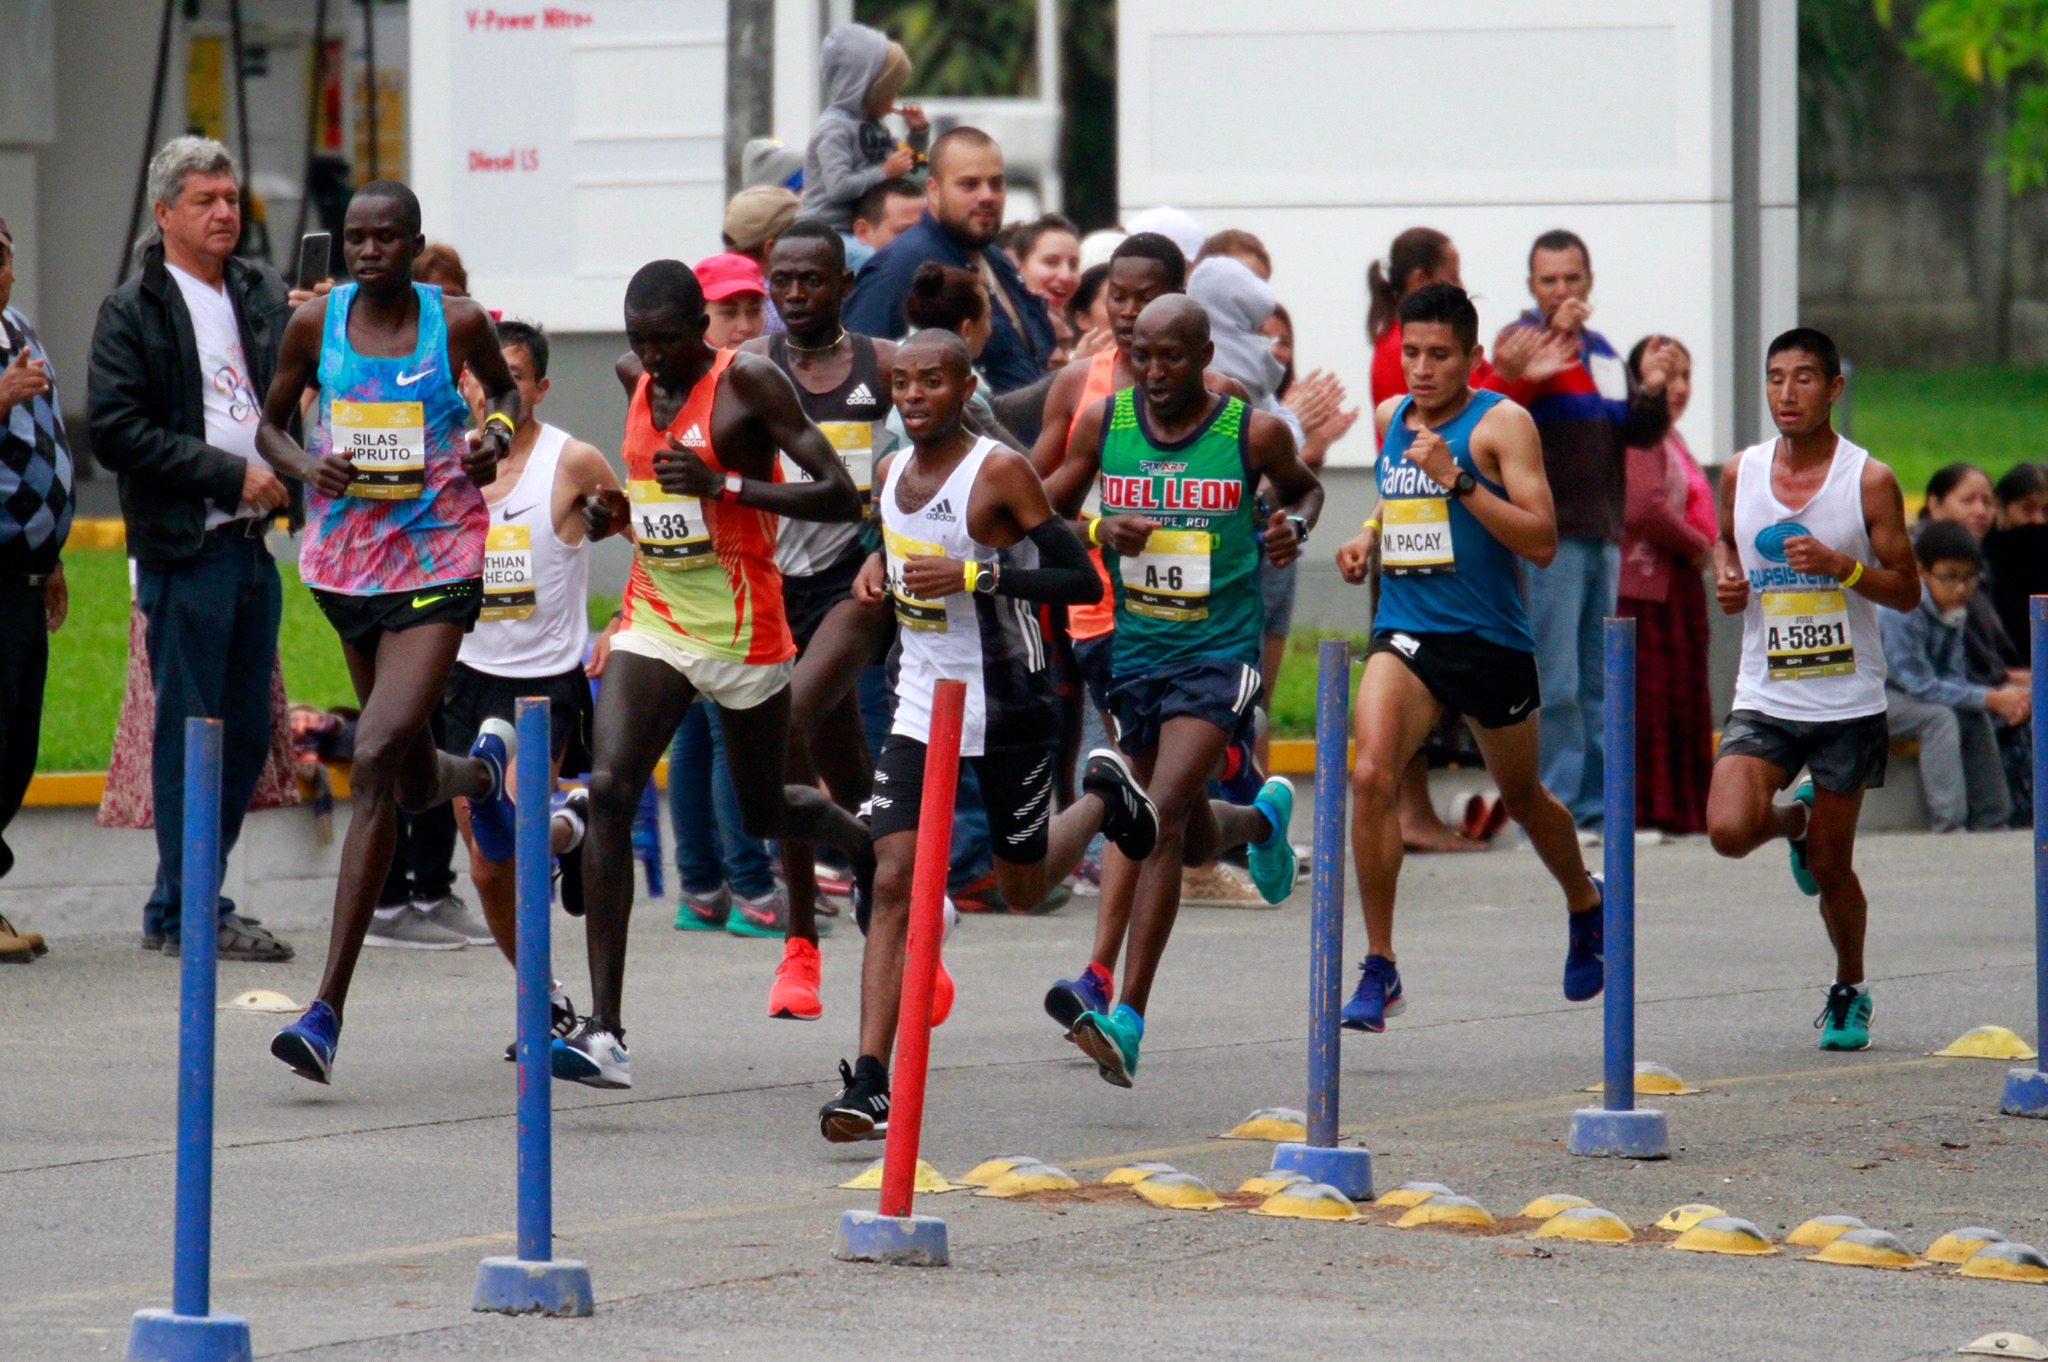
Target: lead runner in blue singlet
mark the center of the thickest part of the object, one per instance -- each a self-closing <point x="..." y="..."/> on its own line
<point x="1462" y="496"/>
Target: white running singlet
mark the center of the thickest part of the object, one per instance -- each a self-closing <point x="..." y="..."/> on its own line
<point x="534" y="620"/>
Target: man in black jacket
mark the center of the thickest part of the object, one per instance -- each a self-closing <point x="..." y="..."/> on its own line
<point x="181" y="357"/>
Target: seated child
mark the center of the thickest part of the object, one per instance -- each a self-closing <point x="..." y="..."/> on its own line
<point x="851" y="150"/>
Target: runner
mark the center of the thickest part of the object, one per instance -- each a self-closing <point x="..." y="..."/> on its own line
<point x="393" y="550"/>
<point x="966" y="526"/>
<point x="1180" y="470"/>
<point x="1813" y="540"/>
<point x="839" y="380"/>
<point x="534" y="628"/>
<point x="1462" y="496"/>
<point x="704" y="612"/>
<point x="1144" y="266"/>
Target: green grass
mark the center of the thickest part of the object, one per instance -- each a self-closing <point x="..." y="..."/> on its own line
<point x="1293" y="707"/>
<point x="89" y="659"/>
<point x="1917" y="420"/>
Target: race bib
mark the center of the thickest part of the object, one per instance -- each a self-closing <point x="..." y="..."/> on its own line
<point x="854" y="442"/>
<point x="387" y="443"/>
<point x="1170" y="579"/>
<point x="1415" y="537"/>
<point x="911" y="612"/>
<point x="1806" y="634"/>
<point x="508" y="573"/>
<point x="670" y="529"/>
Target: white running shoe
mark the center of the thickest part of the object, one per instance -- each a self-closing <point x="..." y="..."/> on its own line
<point x="593" y="1056"/>
<point x="451" y="913"/>
<point x="410" y="929"/>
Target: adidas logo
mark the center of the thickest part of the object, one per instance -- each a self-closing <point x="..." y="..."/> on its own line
<point x="693" y="438"/>
<point x="860" y="397"/>
<point x="942" y="510"/>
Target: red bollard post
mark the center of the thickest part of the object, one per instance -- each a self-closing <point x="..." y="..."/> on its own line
<point x="895" y="1235"/>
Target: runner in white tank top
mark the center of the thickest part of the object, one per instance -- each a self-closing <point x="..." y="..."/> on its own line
<point x="1813" y="540"/>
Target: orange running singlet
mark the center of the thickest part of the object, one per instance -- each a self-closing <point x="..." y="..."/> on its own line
<point x="1093" y="621"/>
<point x="704" y="575"/>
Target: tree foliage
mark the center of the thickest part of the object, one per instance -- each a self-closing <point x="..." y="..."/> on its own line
<point x="1989" y="51"/>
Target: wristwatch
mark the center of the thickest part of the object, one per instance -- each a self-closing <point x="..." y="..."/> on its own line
<point x="1464" y="485"/>
<point x="1300" y="524"/>
<point x="733" y="483"/>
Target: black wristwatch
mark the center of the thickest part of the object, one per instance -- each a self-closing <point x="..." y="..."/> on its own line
<point x="1300" y="524"/>
<point x="1464" y="485"/>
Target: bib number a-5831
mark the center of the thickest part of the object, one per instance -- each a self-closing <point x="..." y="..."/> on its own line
<point x="1806" y="635"/>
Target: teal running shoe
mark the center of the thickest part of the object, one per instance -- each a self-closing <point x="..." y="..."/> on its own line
<point x="1112" y="1042"/>
<point x="1795" y="848"/>
<point x="1272" y="861"/>
<point x="1844" y="1023"/>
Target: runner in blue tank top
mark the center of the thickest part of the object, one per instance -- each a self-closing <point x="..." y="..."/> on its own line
<point x="1462" y="497"/>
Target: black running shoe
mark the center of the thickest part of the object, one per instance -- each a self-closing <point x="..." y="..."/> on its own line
<point x="1129" y="818"/>
<point x="861" y="1110"/>
<point x="575" y="805"/>
<point x="561" y="1019"/>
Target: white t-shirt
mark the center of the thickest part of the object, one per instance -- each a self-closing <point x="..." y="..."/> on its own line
<point x="233" y="407"/>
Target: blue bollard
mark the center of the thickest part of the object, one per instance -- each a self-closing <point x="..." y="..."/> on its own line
<point x="1348" y="1170"/>
<point x="2026" y="1090"/>
<point x="1618" y="1130"/>
<point x="189" y="1331"/>
<point x="535" y="1282"/>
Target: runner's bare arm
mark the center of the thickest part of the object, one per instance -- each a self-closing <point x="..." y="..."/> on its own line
<point x="473" y="345"/>
<point x="770" y="397"/>
<point x="1276" y="459"/>
<point x="581" y="476"/>
<point x="1060" y="400"/>
<point x="1009" y="505"/>
<point x="1124" y="535"/>
<point x="1731" y="583"/>
<point x="1354" y="555"/>
<point x="1080" y="456"/>
<point x="1526" y="519"/>
<point x="1897" y="582"/>
<point x="298" y="360"/>
<point x="628" y="371"/>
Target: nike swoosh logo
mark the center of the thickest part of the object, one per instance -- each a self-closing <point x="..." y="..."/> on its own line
<point x="422" y="602"/>
<point x="407" y="380"/>
<point x="1519" y="708"/>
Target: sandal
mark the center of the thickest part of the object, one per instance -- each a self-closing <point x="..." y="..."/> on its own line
<point x="34" y="939"/>
<point x="241" y="939"/>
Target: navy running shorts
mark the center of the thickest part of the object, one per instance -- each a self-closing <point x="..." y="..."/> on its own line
<point x="1215" y="690"/>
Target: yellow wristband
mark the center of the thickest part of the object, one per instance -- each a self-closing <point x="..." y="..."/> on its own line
<point x="1855" y="576"/>
<point x="1372" y="525"/>
<point x="1094" y="531"/>
<point x="499" y="418"/>
<point x="970" y="572"/>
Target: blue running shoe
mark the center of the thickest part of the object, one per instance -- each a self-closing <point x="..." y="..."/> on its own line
<point x="1795" y="847"/>
<point x="1069" y="999"/>
<point x="1112" y="1042"/>
<point x="1272" y="861"/>
<point x="491" y="819"/>
<point x="1377" y="997"/>
<point x="1585" y="961"/>
<point x="308" y="1044"/>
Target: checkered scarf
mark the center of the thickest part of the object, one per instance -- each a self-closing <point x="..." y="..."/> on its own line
<point x="35" y="464"/>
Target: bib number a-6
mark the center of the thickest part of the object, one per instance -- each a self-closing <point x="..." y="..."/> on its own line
<point x="1170" y="579"/>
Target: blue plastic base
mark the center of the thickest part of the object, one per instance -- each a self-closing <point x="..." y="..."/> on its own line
<point x="513" y="1286"/>
<point x="909" y="1241"/>
<point x="2026" y="1093"/>
<point x="1348" y="1170"/>
<point x="1602" y="1134"/>
<point x="160" y="1336"/>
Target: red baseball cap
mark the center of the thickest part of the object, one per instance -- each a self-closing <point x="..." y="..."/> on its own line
<point x="723" y="275"/>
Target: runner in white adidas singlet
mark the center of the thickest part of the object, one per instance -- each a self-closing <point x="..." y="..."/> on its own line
<point x="1813" y="539"/>
<point x="969" y="545"/>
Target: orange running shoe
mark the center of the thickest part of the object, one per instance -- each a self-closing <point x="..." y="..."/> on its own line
<point x="942" y="995"/>
<point x="795" y="995"/>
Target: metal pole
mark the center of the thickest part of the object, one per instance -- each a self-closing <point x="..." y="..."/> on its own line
<point x="1619" y="840"/>
<point x="921" y="953"/>
<point x="199" y="912"/>
<point x="2039" y="612"/>
<point x="370" y="79"/>
<point x="536" y="1114"/>
<point x="1326" y="914"/>
<point x="314" y="86"/>
<point x="749" y="80"/>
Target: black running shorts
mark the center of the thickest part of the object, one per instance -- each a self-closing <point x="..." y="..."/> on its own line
<point x="1016" y="790"/>
<point x="1492" y="685"/>
<point x="808" y="599"/>
<point x="362" y="620"/>
<point x="1842" y="755"/>
<point x="473" y="696"/>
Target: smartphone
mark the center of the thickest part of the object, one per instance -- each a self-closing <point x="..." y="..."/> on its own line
<point x="315" y="249"/>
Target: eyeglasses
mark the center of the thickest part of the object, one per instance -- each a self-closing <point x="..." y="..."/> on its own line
<point x="1953" y="577"/>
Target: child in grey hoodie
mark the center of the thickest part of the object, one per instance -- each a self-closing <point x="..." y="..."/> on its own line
<point x="851" y="150"/>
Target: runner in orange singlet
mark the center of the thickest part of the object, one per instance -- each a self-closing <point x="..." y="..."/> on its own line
<point x="704" y="612"/>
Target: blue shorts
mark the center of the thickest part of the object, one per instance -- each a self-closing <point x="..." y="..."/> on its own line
<point x="1091" y="655"/>
<point x="1214" y="690"/>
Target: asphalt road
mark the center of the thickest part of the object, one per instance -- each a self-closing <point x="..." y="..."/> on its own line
<point x="349" y="1220"/>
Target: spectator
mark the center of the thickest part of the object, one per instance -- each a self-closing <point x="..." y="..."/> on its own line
<point x="2016" y="549"/>
<point x="1175" y="225"/>
<point x="1931" y="698"/>
<point x="1588" y="412"/>
<point x="851" y="150"/>
<point x="885" y="213"/>
<point x="181" y="355"/>
<point x="963" y="211"/>
<point x="949" y="299"/>
<point x="1668" y="535"/>
<point x="1047" y="252"/>
<point x="1243" y="247"/>
<point x="1088" y="309"/>
<point x="753" y="220"/>
<point x="441" y="264"/>
<point x="735" y="298"/>
<point x="35" y="518"/>
<point x="1098" y="246"/>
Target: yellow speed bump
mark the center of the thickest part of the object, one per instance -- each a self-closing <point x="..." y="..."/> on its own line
<point x="1682" y="1218"/>
<point x="2007" y="1263"/>
<point x="1957" y="1245"/>
<point x="1446" y="1210"/>
<point x="2005" y="1344"/>
<point x="1271" y="1181"/>
<point x="926" y="1179"/>
<point x="1869" y="1248"/>
<point x="1544" y="1207"/>
<point x="1725" y="1234"/>
<point x="1987" y="1042"/>
<point x="1414" y="1193"/>
<point x="1135" y="1172"/>
<point x="1308" y="1201"/>
<point x="1823" y="1230"/>
<point x="988" y="1170"/>
<point x="1270" y="1123"/>
<point x="261" y="1000"/>
<point x="1178" y="1192"/>
<point x="1589" y="1223"/>
<point x="1026" y="1178"/>
<point x="1655" y="1080"/>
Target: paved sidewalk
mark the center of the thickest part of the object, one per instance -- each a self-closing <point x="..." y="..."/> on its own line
<point x="350" y="1219"/>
